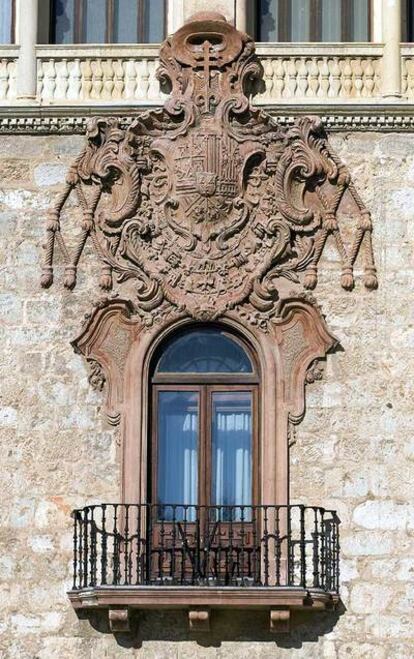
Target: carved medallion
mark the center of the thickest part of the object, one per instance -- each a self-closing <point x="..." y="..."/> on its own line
<point x="204" y="205"/>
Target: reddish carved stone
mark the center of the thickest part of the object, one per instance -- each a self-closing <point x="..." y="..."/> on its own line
<point x="207" y="204"/>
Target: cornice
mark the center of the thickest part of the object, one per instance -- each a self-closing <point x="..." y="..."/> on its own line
<point x="71" y="120"/>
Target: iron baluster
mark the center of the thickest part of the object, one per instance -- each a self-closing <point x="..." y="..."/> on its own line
<point x="75" y="548"/>
<point x="103" y="546"/>
<point x="85" y="549"/>
<point x="290" y="548"/>
<point x="266" y="546"/>
<point x="126" y="543"/>
<point x="315" y="538"/>
<point x="117" y="548"/>
<point x="302" y="548"/>
<point x="93" y="552"/>
<point x="278" y="542"/>
<point x="323" y="551"/>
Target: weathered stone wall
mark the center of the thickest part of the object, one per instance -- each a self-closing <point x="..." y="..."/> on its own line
<point x="353" y="452"/>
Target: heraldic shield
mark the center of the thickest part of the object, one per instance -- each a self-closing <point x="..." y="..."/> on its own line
<point x="206" y="205"/>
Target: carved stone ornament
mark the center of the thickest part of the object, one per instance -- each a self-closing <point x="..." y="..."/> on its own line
<point x="206" y="205"/>
<point x="208" y="210"/>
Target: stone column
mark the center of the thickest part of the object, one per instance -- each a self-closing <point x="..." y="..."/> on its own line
<point x="175" y="15"/>
<point x="391" y="61"/>
<point x="27" y="68"/>
<point x="241" y="15"/>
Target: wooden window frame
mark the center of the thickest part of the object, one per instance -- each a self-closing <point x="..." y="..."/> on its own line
<point x="204" y="450"/>
<point x="205" y="384"/>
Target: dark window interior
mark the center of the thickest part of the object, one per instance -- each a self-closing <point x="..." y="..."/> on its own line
<point x="407" y="21"/>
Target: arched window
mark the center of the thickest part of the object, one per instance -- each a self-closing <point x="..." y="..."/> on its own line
<point x="313" y="20"/>
<point x="204" y="423"/>
<point x="108" y="21"/>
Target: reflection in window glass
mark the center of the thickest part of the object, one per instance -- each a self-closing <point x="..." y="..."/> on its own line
<point x="177" y="479"/>
<point x="125" y="21"/>
<point x="154" y="20"/>
<point x="94" y="21"/>
<point x="108" y="21"/>
<point x="313" y="20"/>
<point x="63" y="14"/>
<point x="6" y="19"/>
<point x="331" y="20"/>
<point x="204" y="351"/>
<point x="232" y="450"/>
<point x="300" y="26"/>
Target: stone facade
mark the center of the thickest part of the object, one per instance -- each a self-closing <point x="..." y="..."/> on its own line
<point x="353" y="452"/>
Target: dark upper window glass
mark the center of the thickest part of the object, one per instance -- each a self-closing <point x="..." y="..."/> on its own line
<point x="6" y="21"/>
<point x="108" y="21"/>
<point x="204" y="351"/>
<point x="313" y="20"/>
<point x="407" y="21"/>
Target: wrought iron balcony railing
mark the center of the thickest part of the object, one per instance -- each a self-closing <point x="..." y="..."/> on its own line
<point x="130" y="545"/>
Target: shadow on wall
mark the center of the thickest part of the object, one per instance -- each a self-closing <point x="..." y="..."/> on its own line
<point x="225" y="626"/>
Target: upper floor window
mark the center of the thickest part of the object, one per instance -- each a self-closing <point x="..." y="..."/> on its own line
<point x="6" y="21"/>
<point x="313" y="20"/>
<point x="108" y="21"/>
<point x="407" y="21"/>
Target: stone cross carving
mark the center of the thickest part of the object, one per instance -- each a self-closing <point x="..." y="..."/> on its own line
<point x="208" y="205"/>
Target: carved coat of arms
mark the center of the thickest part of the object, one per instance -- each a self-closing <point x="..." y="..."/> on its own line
<point x="204" y="205"/>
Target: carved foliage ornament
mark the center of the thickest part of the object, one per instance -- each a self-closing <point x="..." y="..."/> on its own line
<point x="205" y="205"/>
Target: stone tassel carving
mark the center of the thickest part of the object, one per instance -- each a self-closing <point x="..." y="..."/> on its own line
<point x="208" y="204"/>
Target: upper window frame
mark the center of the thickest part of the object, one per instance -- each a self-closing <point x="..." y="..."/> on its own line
<point x="78" y="29"/>
<point x="205" y="378"/>
<point x="315" y="23"/>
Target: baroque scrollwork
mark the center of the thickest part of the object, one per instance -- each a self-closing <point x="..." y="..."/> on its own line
<point x="205" y="205"/>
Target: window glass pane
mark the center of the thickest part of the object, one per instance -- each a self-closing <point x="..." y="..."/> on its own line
<point x="125" y="21"/>
<point x="63" y="19"/>
<point x="407" y="20"/>
<point x="154" y="20"/>
<point x="94" y="21"/>
<point x="5" y="21"/>
<point x="331" y="20"/>
<point x="204" y="351"/>
<point x="232" y="451"/>
<point x="300" y="20"/>
<point x="268" y="20"/>
<point x="360" y="21"/>
<point x="177" y="477"/>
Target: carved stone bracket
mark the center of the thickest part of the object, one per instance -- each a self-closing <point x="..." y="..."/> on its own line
<point x="105" y="342"/>
<point x="119" y="620"/>
<point x="199" y="620"/>
<point x="280" y="621"/>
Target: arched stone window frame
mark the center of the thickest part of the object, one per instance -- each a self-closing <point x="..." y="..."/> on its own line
<point x="121" y="349"/>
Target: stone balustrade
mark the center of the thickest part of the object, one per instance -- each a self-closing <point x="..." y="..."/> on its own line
<point x="125" y="74"/>
<point x="8" y="73"/>
<point x="320" y="71"/>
